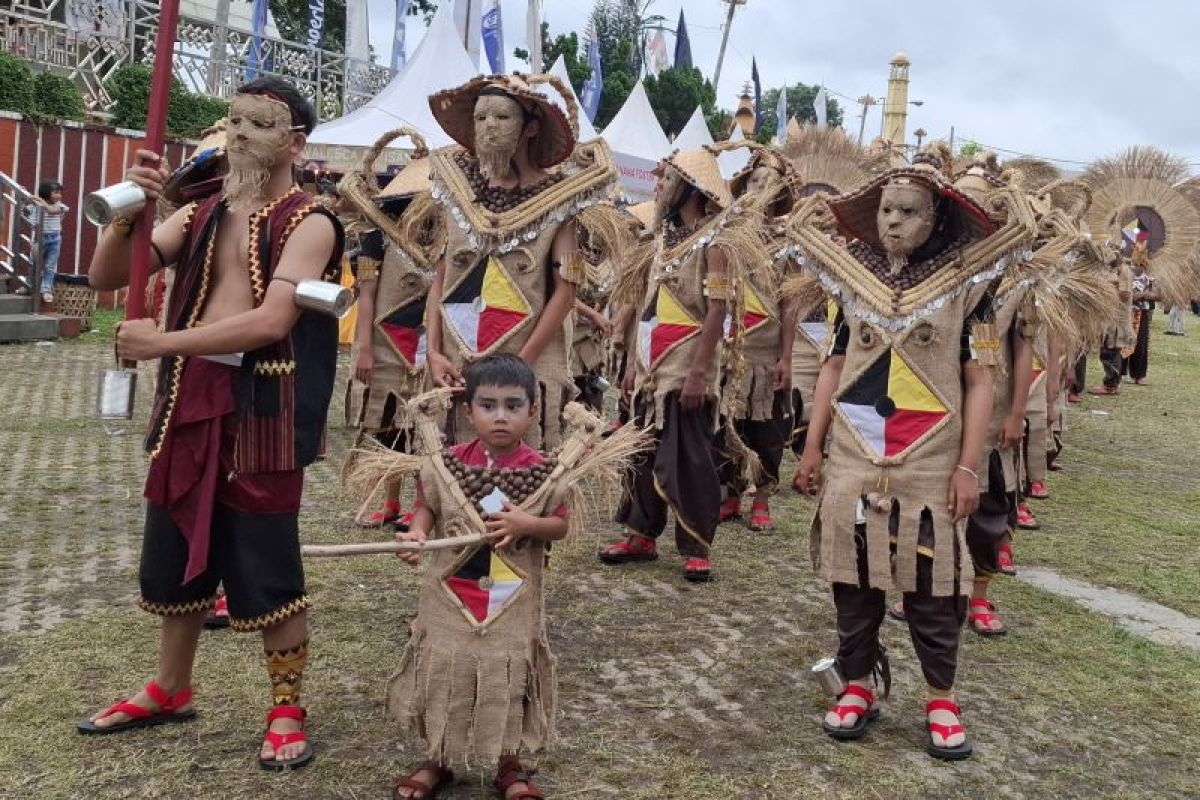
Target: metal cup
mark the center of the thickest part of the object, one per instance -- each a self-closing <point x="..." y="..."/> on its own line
<point x="829" y="677"/>
<point x="124" y="199"/>
<point x="325" y="297"/>
<point x="115" y="393"/>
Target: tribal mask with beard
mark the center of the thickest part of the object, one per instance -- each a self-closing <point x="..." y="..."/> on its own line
<point x="763" y="188"/>
<point x="905" y="220"/>
<point x="499" y="131"/>
<point x="257" y="137"/>
<point x="667" y="195"/>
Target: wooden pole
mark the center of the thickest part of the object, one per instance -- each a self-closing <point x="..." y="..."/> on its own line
<point x="156" y="123"/>
<point x="375" y="548"/>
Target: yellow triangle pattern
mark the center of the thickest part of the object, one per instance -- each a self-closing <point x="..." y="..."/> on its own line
<point x="499" y="291"/>
<point x="908" y="391"/>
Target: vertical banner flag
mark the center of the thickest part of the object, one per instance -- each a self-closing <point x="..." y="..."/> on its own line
<point x="658" y="53"/>
<point x="820" y="105"/>
<point x="258" y="26"/>
<point x="399" y="54"/>
<point x="683" y="45"/>
<point x="758" y="111"/>
<point x="316" y="22"/>
<point x="781" y="116"/>
<point x="590" y="98"/>
<point x="533" y="35"/>
<point x="493" y="36"/>
<point x="468" y="17"/>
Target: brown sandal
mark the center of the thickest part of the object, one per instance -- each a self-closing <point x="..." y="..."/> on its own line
<point x="511" y="774"/>
<point x="422" y="790"/>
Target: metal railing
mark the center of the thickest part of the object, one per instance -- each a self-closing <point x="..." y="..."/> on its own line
<point x="210" y="58"/>
<point x="20" y="247"/>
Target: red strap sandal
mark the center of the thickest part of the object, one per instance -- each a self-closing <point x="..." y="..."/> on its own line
<point x="760" y="517"/>
<point x="957" y="752"/>
<point x="731" y="509"/>
<point x="169" y="710"/>
<point x="377" y="519"/>
<point x="697" y="570"/>
<point x="1008" y="564"/>
<point x="280" y="740"/>
<point x="866" y="714"/>
<point x="1026" y="521"/>
<point x="635" y="548"/>
<point x="512" y="775"/>
<point x="982" y="614"/>
<point x="1037" y="490"/>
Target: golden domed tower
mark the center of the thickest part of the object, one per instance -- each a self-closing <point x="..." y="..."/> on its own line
<point x="895" y="113"/>
<point x="745" y="117"/>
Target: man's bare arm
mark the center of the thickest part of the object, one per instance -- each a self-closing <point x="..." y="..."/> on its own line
<point x="304" y="257"/>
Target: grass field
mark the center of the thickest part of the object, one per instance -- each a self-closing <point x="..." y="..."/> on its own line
<point x="667" y="690"/>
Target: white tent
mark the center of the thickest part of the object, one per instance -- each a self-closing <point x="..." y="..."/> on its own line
<point x="440" y="62"/>
<point x="695" y="134"/>
<point x="587" y="131"/>
<point x="638" y="144"/>
<point x="733" y="161"/>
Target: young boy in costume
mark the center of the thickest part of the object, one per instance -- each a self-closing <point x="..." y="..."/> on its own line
<point x="240" y="407"/>
<point x="908" y="390"/>
<point x="684" y="291"/>
<point x="477" y="679"/>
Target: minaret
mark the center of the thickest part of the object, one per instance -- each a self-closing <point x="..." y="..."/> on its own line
<point x="895" y="112"/>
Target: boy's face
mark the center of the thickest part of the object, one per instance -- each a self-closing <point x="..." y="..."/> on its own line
<point x="56" y="196"/>
<point x="500" y="415"/>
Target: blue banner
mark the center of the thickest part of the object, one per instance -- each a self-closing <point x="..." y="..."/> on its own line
<point x="590" y="97"/>
<point x="256" y="58"/>
<point x="493" y="37"/>
<point x="316" y="22"/>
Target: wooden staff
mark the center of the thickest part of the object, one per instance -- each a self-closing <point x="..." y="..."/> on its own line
<point x="374" y="548"/>
<point x="156" y="123"/>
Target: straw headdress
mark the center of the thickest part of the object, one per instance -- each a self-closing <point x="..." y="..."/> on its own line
<point x="827" y="160"/>
<point x="764" y="156"/>
<point x="1138" y="195"/>
<point x="702" y="171"/>
<point x="1031" y="173"/>
<point x="454" y="110"/>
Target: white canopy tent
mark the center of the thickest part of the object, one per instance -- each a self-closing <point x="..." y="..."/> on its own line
<point x="587" y="131"/>
<point x="638" y="144"/>
<point x="440" y="62"/>
<point x="695" y="134"/>
<point x="734" y="161"/>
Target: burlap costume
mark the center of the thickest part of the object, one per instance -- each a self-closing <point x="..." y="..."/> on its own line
<point x="477" y="680"/>
<point x="913" y="335"/>
<point x="499" y="260"/>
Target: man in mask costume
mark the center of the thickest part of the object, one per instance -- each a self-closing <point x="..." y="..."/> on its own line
<point x="908" y="391"/>
<point x="239" y="410"/>
<point x="523" y="204"/>
<point x="685" y="286"/>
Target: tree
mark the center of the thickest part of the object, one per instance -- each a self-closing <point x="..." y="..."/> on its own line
<point x="291" y="17"/>
<point x="970" y="147"/>
<point x="16" y="84"/>
<point x="676" y="93"/>
<point x="800" y="99"/>
<point x="565" y="45"/>
<point x="57" y="97"/>
<point x="621" y="27"/>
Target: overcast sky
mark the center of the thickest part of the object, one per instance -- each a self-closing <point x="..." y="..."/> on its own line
<point x="1069" y="79"/>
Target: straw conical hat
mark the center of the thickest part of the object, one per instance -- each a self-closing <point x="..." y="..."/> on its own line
<point x="700" y="169"/>
<point x="413" y="179"/>
<point x="454" y="110"/>
<point x="643" y="213"/>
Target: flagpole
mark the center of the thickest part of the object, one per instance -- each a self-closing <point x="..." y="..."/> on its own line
<point x="733" y="4"/>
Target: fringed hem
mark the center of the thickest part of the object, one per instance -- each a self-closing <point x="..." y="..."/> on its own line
<point x="471" y="704"/>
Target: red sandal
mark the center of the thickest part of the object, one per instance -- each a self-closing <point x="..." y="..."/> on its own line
<point x="169" y="710"/>
<point x="866" y="715"/>
<point x="384" y="516"/>
<point x="1026" y="521"/>
<point x="760" y="517"/>
<point x="1038" y="491"/>
<point x="731" y="509"/>
<point x="1008" y="564"/>
<point x="278" y="740"/>
<point x="957" y="752"/>
<point x="635" y="548"/>
<point x="981" y="615"/>
<point x="422" y="790"/>
<point x="510" y="775"/>
<point x="697" y="570"/>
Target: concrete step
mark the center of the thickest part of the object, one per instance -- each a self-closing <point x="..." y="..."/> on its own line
<point x="15" y="304"/>
<point x="27" y="327"/>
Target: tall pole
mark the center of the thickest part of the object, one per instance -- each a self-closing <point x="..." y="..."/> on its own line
<point x="733" y="4"/>
<point x="866" y="101"/>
